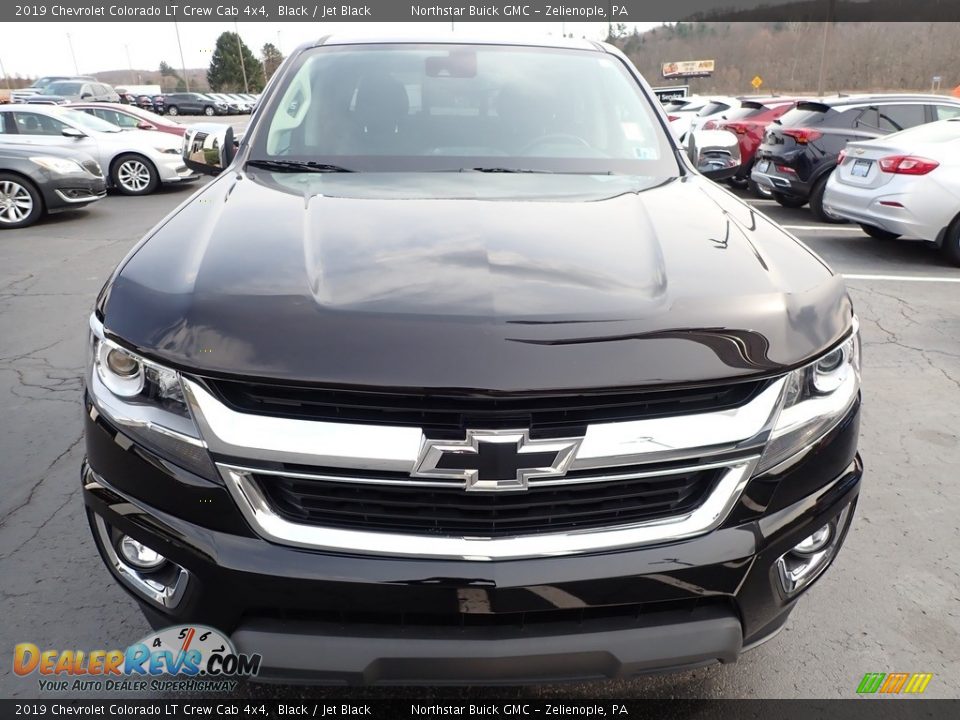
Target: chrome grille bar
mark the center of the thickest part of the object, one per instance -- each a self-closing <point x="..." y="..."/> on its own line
<point x="271" y="526"/>
<point x="259" y="438"/>
<point x="595" y="477"/>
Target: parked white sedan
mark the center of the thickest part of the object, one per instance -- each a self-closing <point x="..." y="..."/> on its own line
<point x="903" y="185"/>
<point x="713" y="109"/>
<point x="681" y="112"/>
<point x="135" y="161"/>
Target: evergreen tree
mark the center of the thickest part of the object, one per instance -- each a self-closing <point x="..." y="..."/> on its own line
<point x="226" y="70"/>
<point x="170" y="78"/>
<point x="272" y="58"/>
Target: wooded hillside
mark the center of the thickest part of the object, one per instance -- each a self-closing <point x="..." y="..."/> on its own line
<point x="860" y="56"/>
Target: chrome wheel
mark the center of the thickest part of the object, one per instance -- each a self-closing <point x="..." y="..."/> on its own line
<point x="208" y="111"/>
<point x="133" y="175"/>
<point x="16" y="202"/>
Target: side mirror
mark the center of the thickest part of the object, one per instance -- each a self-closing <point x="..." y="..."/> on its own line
<point x="86" y="96"/>
<point x="144" y="125"/>
<point x="716" y="153"/>
<point x="71" y="132"/>
<point x="208" y="148"/>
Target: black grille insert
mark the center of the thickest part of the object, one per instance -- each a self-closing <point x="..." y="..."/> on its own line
<point x="456" y="512"/>
<point x="449" y="414"/>
<point x="629" y="614"/>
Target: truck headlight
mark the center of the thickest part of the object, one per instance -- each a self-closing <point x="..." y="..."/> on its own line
<point x="815" y="399"/>
<point x="145" y="400"/>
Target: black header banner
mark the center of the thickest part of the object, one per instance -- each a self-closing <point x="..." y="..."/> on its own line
<point x="620" y="11"/>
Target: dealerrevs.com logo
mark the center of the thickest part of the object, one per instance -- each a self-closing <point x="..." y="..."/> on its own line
<point x="191" y="657"/>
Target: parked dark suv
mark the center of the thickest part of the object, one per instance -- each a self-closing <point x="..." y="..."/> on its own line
<point x="800" y="150"/>
<point x="192" y="104"/>
<point x="462" y="373"/>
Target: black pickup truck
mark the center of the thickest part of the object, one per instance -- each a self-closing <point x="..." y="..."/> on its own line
<point x="460" y="372"/>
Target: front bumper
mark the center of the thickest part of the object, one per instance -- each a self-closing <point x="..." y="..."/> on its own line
<point x="334" y="617"/>
<point x="172" y="170"/>
<point x="70" y="192"/>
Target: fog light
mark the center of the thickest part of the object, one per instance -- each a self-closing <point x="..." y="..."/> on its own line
<point x="139" y="555"/>
<point x="815" y="542"/>
<point x="802" y="564"/>
<point x="142" y="569"/>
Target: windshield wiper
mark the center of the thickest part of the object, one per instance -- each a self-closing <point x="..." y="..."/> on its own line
<point x="538" y="172"/>
<point x="503" y="170"/>
<point x="298" y="166"/>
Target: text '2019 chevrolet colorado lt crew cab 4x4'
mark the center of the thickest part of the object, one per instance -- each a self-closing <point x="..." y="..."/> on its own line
<point x="459" y="372"/>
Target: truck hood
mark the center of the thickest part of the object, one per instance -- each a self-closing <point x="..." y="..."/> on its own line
<point x="473" y="281"/>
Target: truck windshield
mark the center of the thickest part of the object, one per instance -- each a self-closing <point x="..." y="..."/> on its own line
<point x="412" y="107"/>
<point x="63" y="88"/>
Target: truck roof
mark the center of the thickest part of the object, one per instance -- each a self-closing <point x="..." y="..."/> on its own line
<point x="547" y="41"/>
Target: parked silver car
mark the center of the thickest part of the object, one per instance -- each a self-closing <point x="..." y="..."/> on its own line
<point x="903" y="185"/>
<point x="134" y="161"/>
<point x="64" y="91"/>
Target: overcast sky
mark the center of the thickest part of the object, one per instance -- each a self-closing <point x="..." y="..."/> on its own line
<point x="34" y="49"/>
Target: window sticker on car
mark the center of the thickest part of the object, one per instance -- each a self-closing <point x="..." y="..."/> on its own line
<point x="631" y="131"/>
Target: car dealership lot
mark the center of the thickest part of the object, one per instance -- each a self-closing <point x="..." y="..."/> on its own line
<point x="891" y="603"/>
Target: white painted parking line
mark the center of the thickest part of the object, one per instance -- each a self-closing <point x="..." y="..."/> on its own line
<point x="758" y="201"/>
<point x="902" y="278"/>
<point x="825" y="228"/>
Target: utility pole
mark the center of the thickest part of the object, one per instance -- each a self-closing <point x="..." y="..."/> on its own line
<point x="823" y="49"/>
<point x="129" y="64"/>
<point x="73" y="54"/>
<point x="243" y="67"/>
<point x="183" y="65"/>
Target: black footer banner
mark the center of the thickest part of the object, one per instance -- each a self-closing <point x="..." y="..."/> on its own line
<point x="432" y="706"/>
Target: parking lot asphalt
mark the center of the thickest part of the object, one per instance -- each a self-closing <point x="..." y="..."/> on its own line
<point x="890" y="603"/>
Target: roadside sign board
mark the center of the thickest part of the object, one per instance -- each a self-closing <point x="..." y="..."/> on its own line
<point x="688" y="68"/>
<point x="671" y="92"/>
<point x="756" y="82"/>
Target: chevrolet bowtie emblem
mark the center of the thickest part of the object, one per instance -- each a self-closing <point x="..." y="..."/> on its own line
<point x="496" y="459"/>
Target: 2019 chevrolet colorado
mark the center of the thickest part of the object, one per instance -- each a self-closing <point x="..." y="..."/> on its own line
<point x="459" y="371"/>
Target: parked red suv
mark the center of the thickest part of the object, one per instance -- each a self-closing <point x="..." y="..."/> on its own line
<point x="747" y="122"/>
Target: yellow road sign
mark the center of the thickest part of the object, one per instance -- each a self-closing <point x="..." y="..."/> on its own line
<point x="756" y="82"/>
